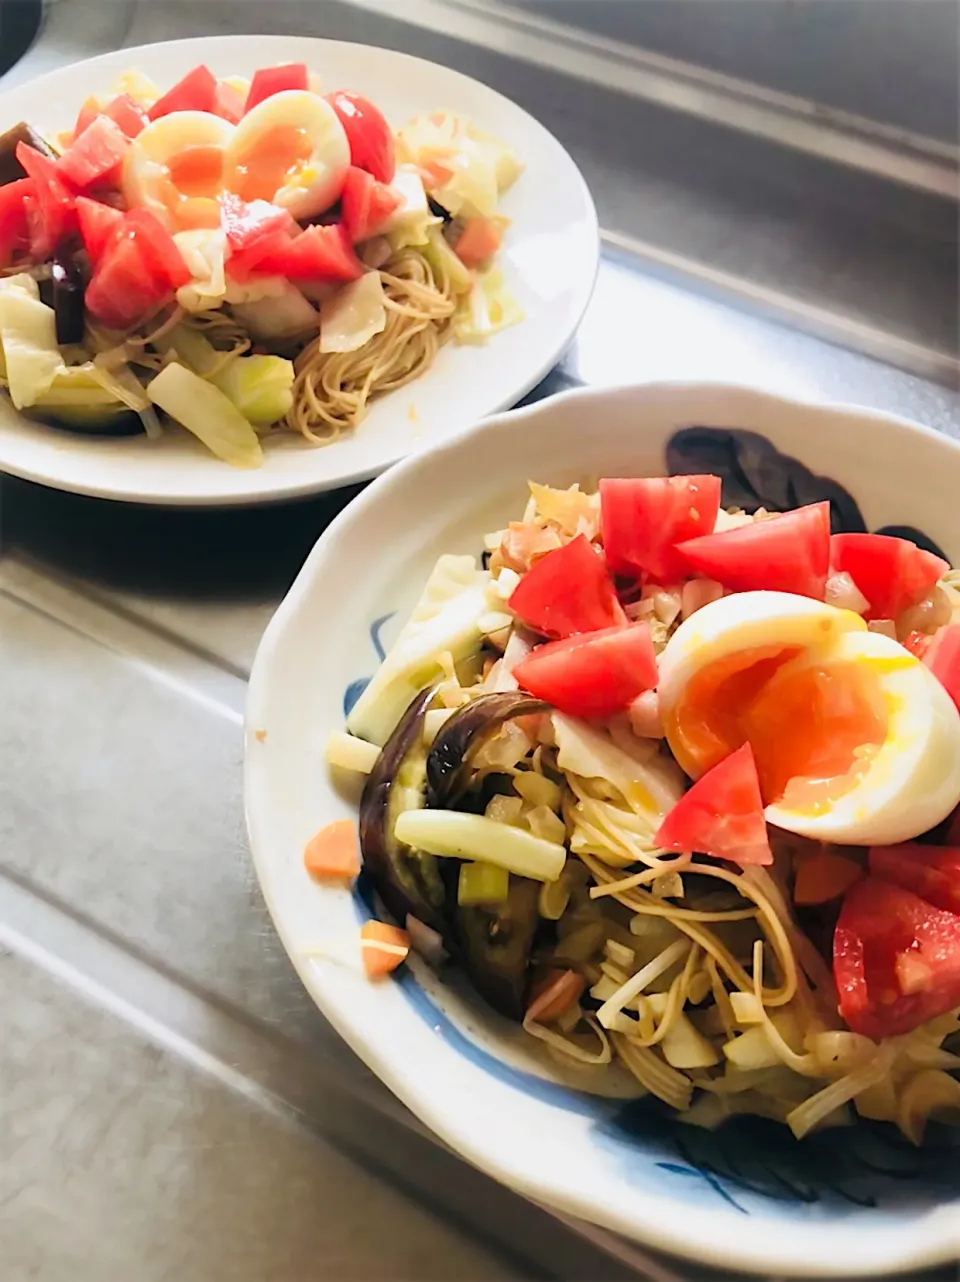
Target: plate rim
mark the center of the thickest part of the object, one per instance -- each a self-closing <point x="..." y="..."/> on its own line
<point x="905" y="1247"/>
<point x="292" y="488"/>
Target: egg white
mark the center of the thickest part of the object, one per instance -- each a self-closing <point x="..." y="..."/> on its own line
<point x="317" y="185"/>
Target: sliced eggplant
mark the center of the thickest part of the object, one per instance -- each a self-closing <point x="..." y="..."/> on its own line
<point x="407" y="881"/>
<point x="10" y="168"/>
<point x="450" y="762"/>
<point x="495" y="945"/>
<point x="67" y="290"/>
<point x="78" y="402"/>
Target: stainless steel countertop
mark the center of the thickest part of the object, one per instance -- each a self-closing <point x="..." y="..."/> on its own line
<point x="172" y="1106"/>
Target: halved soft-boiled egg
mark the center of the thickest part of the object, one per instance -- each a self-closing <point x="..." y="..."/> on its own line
<point x="175" y="168"/>
<point x="291" y="150"/>
<point x="855" y="740"/>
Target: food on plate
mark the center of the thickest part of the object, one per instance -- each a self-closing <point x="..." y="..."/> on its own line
<point x="679" y="786"/>
<point x="284" y="246"/>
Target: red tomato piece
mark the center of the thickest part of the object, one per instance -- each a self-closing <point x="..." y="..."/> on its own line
<point x="942" y="657"/>
<point x="14" y="225"/>
<point x="271" y="80"/>
<point x="478" y="242"/>
<point x="591" y="674"/>
<point x="721" y="815"/>
<point x="228" y="102"/>
<point x="787" y="553"/>
<point x="369" y="135"/>
<point x="644" y="518"/>
<point x="892" y="573"/>
<point x="88" y="114"/>
<point x="896" y="959"/>
<point x="932" y="872"/>
<point x="50" y="209"/>
<point x="95" y="154"/>
<point x="568" y="591"/>
<point x="160" y="251"/>
<point x="197" y="91"/>
<point x="127" y="114"/>
<point x="125" y="291"/>
<point x="98" y="225"/>
<point x="246" y="222"/>
<point x="317" y="254"/>
<point x="366" y="204"/>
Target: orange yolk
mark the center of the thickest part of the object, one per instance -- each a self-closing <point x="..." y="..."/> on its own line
<point x="270" y="162"/>
<point x="813" y="729"/>
<point x="197" y="171"/>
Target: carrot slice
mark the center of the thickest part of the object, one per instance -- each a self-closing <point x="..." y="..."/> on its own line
<point x="334" y="852"/>
<point x="479" y="241"/>
<point x="823" y="876"/>
<point x="557" y="991"/>
<point x="383" y="947"/>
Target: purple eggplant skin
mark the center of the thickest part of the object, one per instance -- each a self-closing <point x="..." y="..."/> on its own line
<point x="494" y="946"/>
<point x="407" y="881"/>
<point x="449" y="763"/>
<point x="10" y="168"/>
<point x="67" y="300"/>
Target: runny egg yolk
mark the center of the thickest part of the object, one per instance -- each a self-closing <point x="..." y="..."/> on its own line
<point x="274" y="157"/>
<point x="814" y="727"/>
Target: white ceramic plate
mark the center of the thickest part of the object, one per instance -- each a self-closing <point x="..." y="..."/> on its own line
<point x="760" y="1202"/>
<point x="550" y="259"/>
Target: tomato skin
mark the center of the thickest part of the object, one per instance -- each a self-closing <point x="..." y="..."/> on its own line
<point x="644" y="518"/>
<point x="270" y="80"/>
<point x="98" y="224"/>
<point x="721" y="815"/>
<point x="86" y="116"/>
<point x="787" y="553"/>
<point x="896" y="959"/>
<point x="591" y="674"/>
<point x="321" y="253"/>
<point x="50" y="209"/>
<point x="369" y="135"/>
<point x="14" y="225"/>
<point x="942" y="657"/>
<point x="197" y="91"/>
<point x="567" y="591"/>
<point x="366" y="204"/>
<point x="932" y="872"/>
<point x="160" y="249"/>
<point x="229" y="103"/>
<point x="246" y="222"/>
<point x="127" y="114"/>
<point x="124" y="291"/>
<point x="95" y="154"/>
<point x="892" y="573"/>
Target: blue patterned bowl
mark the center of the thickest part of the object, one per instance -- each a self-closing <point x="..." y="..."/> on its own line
<point x="853" y="1202"/>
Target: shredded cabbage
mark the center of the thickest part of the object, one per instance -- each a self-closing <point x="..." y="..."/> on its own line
<point x="261" y="387"/>
<point x="204" y="251"/>
<point x="272" y="308"/>
<point x="28" y="338"/>
<point x="467" y="169"/>
<point x="444" y="262"/>
<point x="204" y="410"/>
<point x="487" y="309"/>
<point x="352" y="316"/>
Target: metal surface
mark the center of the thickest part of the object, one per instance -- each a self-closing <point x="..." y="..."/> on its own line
<point x="171" y="1104"/>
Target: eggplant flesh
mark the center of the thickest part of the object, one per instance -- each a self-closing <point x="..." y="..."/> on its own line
<point x="10" y="168"/>
<point x="408" y="881"/>
<point x="450" y="761"/>
<point x="494" y="945"/>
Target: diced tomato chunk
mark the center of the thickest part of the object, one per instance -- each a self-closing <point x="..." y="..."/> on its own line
<point x="245" y="222"/>
<point x="160" y="249"/>
<point x="317" y="254"/>
<point x="271" y="80"/>
<point x="568" y="591"/>
<point x="197" y="91"/>
<point x="932" y="872"/>
<point x="95" y="154"/>
<point x="124" y="291"/>
<point x="14" y="224"/>
<point x="98" y="224"/>
<point x="479" y="241"/>
<point x="893" y="574"/>
<point x="942" y="657"/>
<point x="896" y="959"/>
<point x="591" y="674"/>
<point x="228" y="103"/>
<point x="721" y="815"/>
<point x="126" y="113"/>
<point x="643" y="519"/>
<point x="787" y="553"/>
<point x="365" y="203"/>
<point x="50" y="209"/>
<point x="369" y="135"/>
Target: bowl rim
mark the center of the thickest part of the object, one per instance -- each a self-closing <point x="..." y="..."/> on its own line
<point x="929" y="1240"/>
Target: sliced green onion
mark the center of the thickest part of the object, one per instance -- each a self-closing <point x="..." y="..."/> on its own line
<point x="460" y="836"/>
<point x="482" y="883"/>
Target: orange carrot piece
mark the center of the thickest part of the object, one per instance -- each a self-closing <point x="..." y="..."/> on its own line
<point x="479" y="241"/>
<point x="334" y="852"/>
<point x="557" y="991"/>
<point x="823" y="876"/>
<point x="384" y="947"/>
